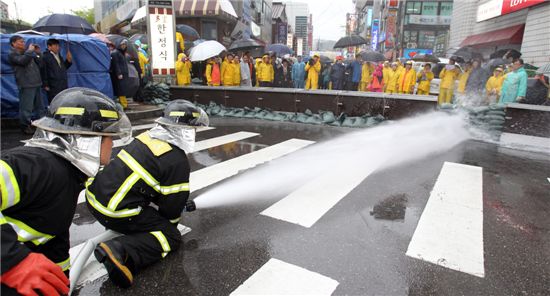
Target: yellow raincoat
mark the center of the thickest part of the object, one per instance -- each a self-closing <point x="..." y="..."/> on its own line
<point x="366" y="76"/>
<point x="237" y="74"/>
<point x="183" y="71"/>
<point x="386" y="74"/>
<point x="264" y="72"/>
<point x="493" y="87"/>
<point x="142" y="62"/>
<point x="391" y="82"/>
<point x="406" y="81"/>
<point x="462" y="82"/>
<point x="181" y="41"/>
<point x="312" y="81"/>
<point x="424" y="85"/>
<point x="227" y="73"/>
<point x="448" y="78"/>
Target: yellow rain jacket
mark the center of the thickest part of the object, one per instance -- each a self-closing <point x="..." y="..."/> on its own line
<point x="391" y="83"/>
<point x="494" y="84"/>
<point x="237" y="74"/>
<point x="462" y="82"/>
<point x="312" y="81"/>
<point x="424" y="85"/>
<point x="227" y="73"/>
<point x="183" y="71"/>
<point x="264" y="72"/>
<point x="181" y="41"/>
<point x="406" y="82"/>
<point x="366" y="76"/>
<point x="386" y="74"/>
<point x="142" y="62"/>
<point x="448" y="78"/>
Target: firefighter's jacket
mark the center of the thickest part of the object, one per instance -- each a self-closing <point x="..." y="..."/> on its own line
<point x="39" y="195"/>
<point x="147" y="170"/>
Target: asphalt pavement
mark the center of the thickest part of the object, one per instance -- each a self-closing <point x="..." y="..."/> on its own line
<point x="359" y="244"/>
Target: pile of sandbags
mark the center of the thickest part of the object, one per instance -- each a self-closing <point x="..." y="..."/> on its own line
<point x="488" y="118"/>
<point x="308" y="117"/>
<point x="156" y="93"/>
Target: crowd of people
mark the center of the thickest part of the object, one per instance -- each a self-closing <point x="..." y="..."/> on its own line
<point x="471" y="81"/>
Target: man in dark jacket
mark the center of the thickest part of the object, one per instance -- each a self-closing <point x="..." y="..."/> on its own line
<point x="119" y="72"/>
<point x="54" y="79"/>
<point x="27" y="76"/>
<point x="475" y="86"/>
<point x="153" y="169"/>
<point x="40" y="184"/>
<point x="337" y="74"/>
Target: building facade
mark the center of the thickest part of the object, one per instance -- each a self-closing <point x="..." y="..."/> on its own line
<point x="299" y="20"/>
<point x="280" y="27"/>
<point x="491" y="25"/>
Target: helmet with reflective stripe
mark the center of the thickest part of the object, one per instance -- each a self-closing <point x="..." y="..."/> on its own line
<point x="183" y="113"/>
<point x="84" y="111"/>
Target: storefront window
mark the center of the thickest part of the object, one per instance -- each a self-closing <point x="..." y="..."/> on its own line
<point x="426" y="39"/>
<point x="414" y="7"/>
<point x="446" y="8"/>
<point x="209" y="30"/>
<point x="429" y="8"/>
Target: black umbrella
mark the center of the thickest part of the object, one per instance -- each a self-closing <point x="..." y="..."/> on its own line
<point x="372" y="56"/>
<point x="325" y="60"/>
<point x="244" y="44"/>
<point x="348" y="41"/>
<point x="188" y="32"/>
<point x="141" y="37"/>
<point x="468" y="53"/>
<point x="279" y="48"/>
<point x="63" y="24"/>
<point x="505" y="53"/>
<point x="493" y="63"/>
<point x="426" y="58"/>
<point x="130" y="48"/>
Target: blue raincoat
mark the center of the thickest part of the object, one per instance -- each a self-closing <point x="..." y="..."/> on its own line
<point x="298" y="74"/>
<point x="514" y="85"/>
<point x="356" y="68"/>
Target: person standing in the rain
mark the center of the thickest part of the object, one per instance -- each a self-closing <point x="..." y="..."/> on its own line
<point x="477" y="79"/>
<point x="313" y="68"/>
<point x="246" y="79"/>
<point x="27" y="77"/>
<point x="54" y="79"/>
<point x="119" y="71"/>
<point x="448" y="76"/>
<point x="494" y="85"/>
<point x="407" y="79"/>
<point x="265" y="72"/>
<point x="424" y="78"/>
<point x="355" y="69"/>
<point x="514" y="86"/>
<point x="183" y="70"/>
<point x="299" y="73"/>
<point x="337" y="74"/>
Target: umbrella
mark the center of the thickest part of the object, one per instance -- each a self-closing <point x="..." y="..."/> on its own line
<point x="544" y="69"/>
<point x="468" y="53"/>
<point x="279" y="48"/>
<point x="244" y="44"/>
<point x="205" y="50"/>
<point x="30" y="32"/>
<point x="372" y="56"/>
<point x="493" y="63"/>
<point x="505" y="53"/>
<point x="188" y="32"/>
<point x="426" y="58"/>
<point x="63" y="24"/>
<point x="348" y="41"/>
<point x="101" y="37"/>
<point x="141" y="37"/>
<point x="325" y="60"/>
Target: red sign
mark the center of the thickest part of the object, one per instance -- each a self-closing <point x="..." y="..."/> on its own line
<point x="393" y="3"/>
<point x="509" y="6"/>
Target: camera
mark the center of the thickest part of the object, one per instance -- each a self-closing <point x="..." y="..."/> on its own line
<point x="311" y="62"/>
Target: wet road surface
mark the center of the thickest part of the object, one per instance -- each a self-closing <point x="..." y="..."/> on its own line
<point x="361" y="242"/>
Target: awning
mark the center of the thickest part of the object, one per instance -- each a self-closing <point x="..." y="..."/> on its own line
<point x="510" y="35"/>
<point x="199" y="8"/>
<point x="140" y="14"/>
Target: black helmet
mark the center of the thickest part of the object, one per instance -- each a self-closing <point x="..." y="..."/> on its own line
<point x="84" y="111"/>
<point x="182" y="112"/>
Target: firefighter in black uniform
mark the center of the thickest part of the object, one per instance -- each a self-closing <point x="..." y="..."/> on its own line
<point x="151" y="169"/>
<point x="40" y="183"/>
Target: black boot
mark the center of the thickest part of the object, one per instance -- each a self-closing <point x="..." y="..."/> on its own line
<point x="112" y="255"/>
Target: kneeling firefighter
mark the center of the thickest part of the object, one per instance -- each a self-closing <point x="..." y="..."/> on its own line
<point x="151" y="169"/>
<point x="40" y="183"/>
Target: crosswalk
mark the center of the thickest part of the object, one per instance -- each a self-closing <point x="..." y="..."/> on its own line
<point x="310" y="202"/>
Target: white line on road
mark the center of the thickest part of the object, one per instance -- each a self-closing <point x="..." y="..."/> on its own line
<point x="310" y="202"/>
<point x="218" y="141"/>
<point x="450" y="230"/>
<point x="215" y="173"/>
<point x="277" y="277"/>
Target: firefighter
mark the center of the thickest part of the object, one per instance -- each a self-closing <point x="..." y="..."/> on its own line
<point x="151" y="169"/>
<point x="40" y="183"/>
